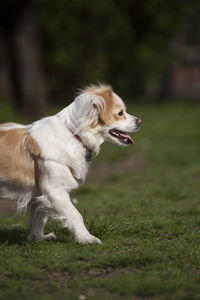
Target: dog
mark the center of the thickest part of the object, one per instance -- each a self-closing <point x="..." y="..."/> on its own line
<point x="41" y="163"/>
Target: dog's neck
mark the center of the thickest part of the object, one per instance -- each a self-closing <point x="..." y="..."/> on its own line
<point x="90" y="142"/>
<point x="88" y="139"/>
<point x="89" y="152"/>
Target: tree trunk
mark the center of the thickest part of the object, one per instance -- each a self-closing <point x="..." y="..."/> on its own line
<point x="25" y="65"/>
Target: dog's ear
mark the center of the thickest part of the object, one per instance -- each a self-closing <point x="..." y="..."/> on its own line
<point x="98" y="108"/>
<point x="104" y="105"/>
<point x="93" y="107"/>
<point x="101" y="103"/>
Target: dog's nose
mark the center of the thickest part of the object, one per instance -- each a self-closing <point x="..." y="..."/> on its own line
<point x="138" y="121"/>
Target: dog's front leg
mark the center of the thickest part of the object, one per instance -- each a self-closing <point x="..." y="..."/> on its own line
<point x="73" y="220"/>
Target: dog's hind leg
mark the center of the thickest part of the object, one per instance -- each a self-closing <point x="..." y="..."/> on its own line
<point x="39" y="210"/>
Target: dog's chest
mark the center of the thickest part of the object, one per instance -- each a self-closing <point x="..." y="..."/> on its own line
<point x="79" y="164"/>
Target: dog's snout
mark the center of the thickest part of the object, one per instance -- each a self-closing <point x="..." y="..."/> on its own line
<point x="138" y="121"/>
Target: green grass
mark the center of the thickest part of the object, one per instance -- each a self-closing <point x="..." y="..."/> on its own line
<point x="146" y="211"/>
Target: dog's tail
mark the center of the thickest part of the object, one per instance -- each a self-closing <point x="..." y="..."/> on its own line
<point x="22" y="198"/>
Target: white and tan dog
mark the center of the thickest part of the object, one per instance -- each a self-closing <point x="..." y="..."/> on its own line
<point x="41" y="163"/>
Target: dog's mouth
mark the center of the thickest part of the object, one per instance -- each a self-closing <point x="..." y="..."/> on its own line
<point x="121" y="136"/>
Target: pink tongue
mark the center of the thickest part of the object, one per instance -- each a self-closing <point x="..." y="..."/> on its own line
<point x="126" y="136"/>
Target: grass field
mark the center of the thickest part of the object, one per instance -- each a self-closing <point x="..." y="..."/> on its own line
<point x="144" y="204"/>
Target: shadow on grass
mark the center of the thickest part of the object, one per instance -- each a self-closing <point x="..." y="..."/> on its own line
<point x="18" y="235"/>
<point x="13" y="236"/>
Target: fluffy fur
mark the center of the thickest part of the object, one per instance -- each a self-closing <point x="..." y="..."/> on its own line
<point x="41" y="163"/>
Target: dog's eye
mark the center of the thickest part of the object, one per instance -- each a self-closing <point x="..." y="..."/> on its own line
<point x="120" y="113"/>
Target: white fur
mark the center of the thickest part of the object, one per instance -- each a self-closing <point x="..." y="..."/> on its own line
<point x="60" y="152"/>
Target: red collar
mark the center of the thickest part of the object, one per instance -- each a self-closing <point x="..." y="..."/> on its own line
<point x="78" y="138"/>
<point x="89" y="152"/>
<point x="88" y="155"/>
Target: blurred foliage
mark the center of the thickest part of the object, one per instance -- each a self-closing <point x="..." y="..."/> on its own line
<point x="127" y="43"/>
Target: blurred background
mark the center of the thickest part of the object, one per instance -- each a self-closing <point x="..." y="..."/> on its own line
<point x="149" y="50"/>
<point x="143" y="201"/>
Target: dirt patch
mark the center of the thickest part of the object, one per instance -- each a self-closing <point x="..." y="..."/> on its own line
<point x="127" y="164"/>
<point x="109" y="272"/>
<point x="62" y="277"/>
<point x="7" y="207"/>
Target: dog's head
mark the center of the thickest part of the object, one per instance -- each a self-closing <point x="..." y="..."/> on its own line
<point x="100" y="113"/>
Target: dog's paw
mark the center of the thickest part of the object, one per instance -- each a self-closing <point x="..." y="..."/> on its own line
<point x="50" y="235"/>
<point x="39" y="238"/>
<point x="89" y="239"/>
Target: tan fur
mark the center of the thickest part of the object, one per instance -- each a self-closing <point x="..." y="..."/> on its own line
<point x="6" y="124"/>
<point x="17" y="149"/>
<point x="117" y="117"/>
<point x="109" y="100"/>
<point x="107" y="94"/>
<point x="98" y="88"/>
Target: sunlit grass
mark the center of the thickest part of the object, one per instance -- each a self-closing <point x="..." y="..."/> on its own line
<point x="146" y="212"/>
